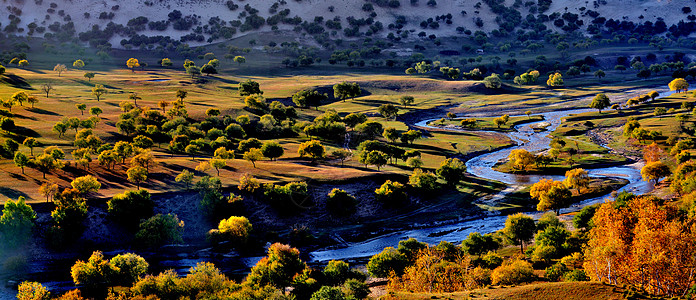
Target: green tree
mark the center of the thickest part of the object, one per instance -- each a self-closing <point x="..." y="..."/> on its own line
<point x="160" y="229"/>
<point x="278" y="268"/>
<point x="20" y="97"/>
<point x="166" y="62"/>
<point x="272" y="150"/>
<point x="341" y="202"/>
<point x="95" y="274"/>
<point x="519" y="228"/>
<point x="21" y="160"/>
<point x="131" y="206"/>
<point x="89" y="76"/>
<point x="391" y="134"/>
<point x="452" y="170"/>
<point x="249" y="87"/>
<point x="186" y="177"/>
<point x="313" y="149"/>
<point x="137" y="174"/>
<point x="600" y="101"/>
<point x="329" y="293"/>
<point x="493" y="81"/>
<point x="98" y="90"/>
<point x="130" y="268"/>
<point x="47" y="163"/>
<point x="346" y="90"/>
<point x="239" y="59"/>
<point x="406" y="100"/>
<point x="253" y="155"/>
<point x="16" y="222"/>
<point x="307" y="98"/>
<point x="599" y="74"/>
<point x="391" y="192"/>
<point x="388" y="111"/>
<point x="477" y="244"/>
<point x="193" y="71"/>
<point x="70" y="211"/>
<point x="375" y="158"/>
<point x="425" y="181"/>
<point x="86" y="184"/>
<point x="208" y="69"/>
<point x="390" y="260"/>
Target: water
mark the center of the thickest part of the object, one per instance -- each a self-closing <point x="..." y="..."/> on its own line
<point x="482" y="166"/>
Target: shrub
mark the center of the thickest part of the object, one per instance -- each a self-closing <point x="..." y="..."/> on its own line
<point x="556" y="271"/>
<point x="424" y="181"/>
<point x="340" y="202"/>
<point x="514" y="272"/>
<point x="391" y="192"/>
<point x="234" y="229"/>
<point x="576" y="275"/>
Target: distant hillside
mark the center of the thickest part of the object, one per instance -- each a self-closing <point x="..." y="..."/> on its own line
<point x="202" y="22"/>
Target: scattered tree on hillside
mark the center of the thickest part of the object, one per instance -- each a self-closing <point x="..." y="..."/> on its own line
<point x="346" y="90"/>
<point x="555" y="80"/>
<point x="493" y="81"/>
<point x="519" y="228"/>
<point x="239" y="59"/>
<point x="47" y="88"/>
<point x="60" y="69"/>
<point x="600" y="101"/>
<point x="89" y="76"/>
<point x="249" y="87"/>
<point x="654" y="171"/>
<point x="679" y="85"/>
<point x="98" y="90"/>
<point x="132" y="63"/>
<point x="78" y="64"/>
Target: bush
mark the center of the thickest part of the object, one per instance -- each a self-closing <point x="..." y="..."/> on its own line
<point x="356" y="288"/>
<point x="391" y="192"/>
<point x="556" y="271"/>
<point x="514" y="272"/>
<point x="576" y="275"/>
<point x="424" y="181"/>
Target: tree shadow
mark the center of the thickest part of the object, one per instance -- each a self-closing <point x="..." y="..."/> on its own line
<point x="16" y="82"/>
<point x="12" y="193"/>
<point x="42" y="111"/>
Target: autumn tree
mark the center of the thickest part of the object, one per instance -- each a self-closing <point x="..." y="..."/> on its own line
<point x="388" y="111"/>
<point x="86" y="184"/>
<point x="60" y="69"/>
<point x="253" y="155"/>
<point x="679" y="85"/>
<point x="577" y="178"/>
<point x="137" y="174"/>
<point x="132" y="63"/>
<point x="21" y="160"/>
<point x="278" y="268"/>
<point x="654" y="171"/>
<point x="249" y="87"/>
<point x="78" y="64"/>
<point x="452" y="170"/>
<point x="521" y="159"/>
<point x="312" y="149"/>
<point x="555" y="80"/>
<point x="551" y="194"/>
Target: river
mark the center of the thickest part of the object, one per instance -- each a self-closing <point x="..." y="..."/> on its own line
<point x="482" y="166"/>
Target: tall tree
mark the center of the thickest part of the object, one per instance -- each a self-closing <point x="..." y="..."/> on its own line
<point x="519" y="228"/>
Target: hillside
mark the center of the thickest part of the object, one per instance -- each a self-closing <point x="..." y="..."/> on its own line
<point x="203" y="22"/>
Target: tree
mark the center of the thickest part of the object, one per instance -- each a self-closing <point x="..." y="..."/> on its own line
<point x="193" y="71"/>
<point x="577" y="178"/>
<point x="234" y="229"/>
<point x="272" y="150"/>
<point x="78" y="64"/>
<point x="388" y="111"/>
<point x="391" y="134"/>
<point x="130" y="268"/>
<point x="555" y="80"/>
<point x="410" y="136"/>
<point x="134" y="96"/>
<point x="599" y="74"/>
<point x="307" y="98"/>
<point x="375" y="158"/>
<point x="313" y="149"/>
<point x="23" y="63"/>
<point x="160" y="229"/>
<point x="345" y="90"/>
<point x="391" y="192"/>
<point x="48" y="190"/>
<point x="278" y="268"/>
<point x="679" y="85"/>
<point x="424" y="181"/>
<point x="131" y="206"/>
<point x="208" y="69"/>
<point x="493" y="81"/>
<point x="16" y="222"/>
<point x="29" y="290"/>
<point x="389" y="261"/>
<point x="86" y="184"/>
<point x="60" y="69"/>
<point x="329" y="293"/>
<point x="186" y="177"/>
<point x="477" y="244"/>
<point x="32" y="100"/>
<point x="47" y="88"/>
<point x="166" y="62"/>
<point x="70" y="211"/>
<point x="89" y="76"/>
<point x="653" y="95"/>
<point x="137" y="174"/>
<point x="82" y="107"/>
<point x="452" y="170"/>
<point x="30" y="143"/>
<point x="521" y="159"/>
<point x="519" y="228"/>
<point x="239" y="59"/>
<point x="249" y="87"/>
<point x="600" y="101"/>
<point x="551" y="194"/>
<point x="654" y="171"/>
<point x="98" y="90"/>
<point x="406" y="100"/>
<point x="253" y="155"/>
<point x="47" y="163"/>
<point x="132" y="63"/>
<point x="19" y="97"/>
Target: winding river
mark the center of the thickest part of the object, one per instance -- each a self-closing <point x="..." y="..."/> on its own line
<point x="482" y="166"/>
